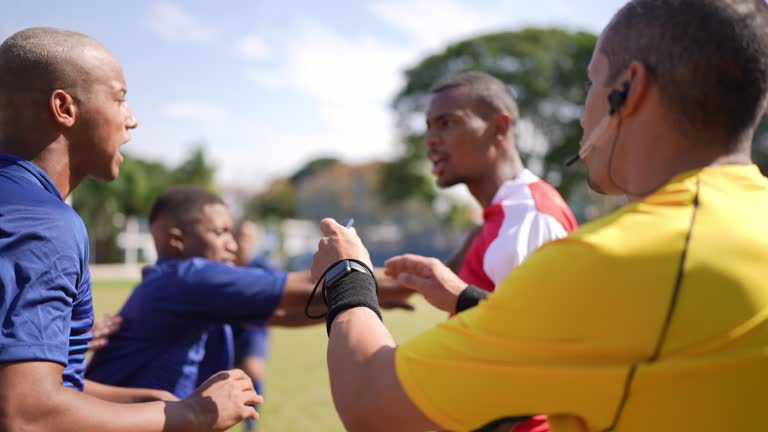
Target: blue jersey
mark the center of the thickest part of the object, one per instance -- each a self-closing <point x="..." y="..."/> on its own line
<point x="45" y="285"/>
<point x="246" y="340"/>
<point x="172" y="313"/>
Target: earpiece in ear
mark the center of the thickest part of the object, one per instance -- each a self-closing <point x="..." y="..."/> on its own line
<point x="616" y="98"/>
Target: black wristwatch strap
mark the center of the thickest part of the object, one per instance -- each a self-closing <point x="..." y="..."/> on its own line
<point x="342" y="268"/>
<point x="470" y="297"/>
<point x="354" y="285"/>
<point x="356" y="289"/>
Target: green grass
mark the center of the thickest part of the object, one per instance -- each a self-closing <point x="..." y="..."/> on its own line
<point x="297" y="394"/>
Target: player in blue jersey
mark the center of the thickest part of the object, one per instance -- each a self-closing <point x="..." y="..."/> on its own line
<point x="63" y="117"/>
<point x="193" y="297"/>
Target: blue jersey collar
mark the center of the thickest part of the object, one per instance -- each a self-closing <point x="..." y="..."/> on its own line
<point x="38" y="174"/>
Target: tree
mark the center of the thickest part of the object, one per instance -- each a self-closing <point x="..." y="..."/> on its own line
<point x="311" y="168"/>
<point x="195" y="170"/>
<point x="545" y="68"/>
<point x="404" y="178"/>
<point x="279" y="201"/>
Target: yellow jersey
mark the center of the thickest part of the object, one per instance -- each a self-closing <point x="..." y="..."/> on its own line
<point x="650" y="319"/>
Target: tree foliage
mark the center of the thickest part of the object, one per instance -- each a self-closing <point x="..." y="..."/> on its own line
<point x="280" y="200"/>
<point x="311" y="168"/>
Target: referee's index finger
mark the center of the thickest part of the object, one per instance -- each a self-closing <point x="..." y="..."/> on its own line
<point x="329" y="226"/>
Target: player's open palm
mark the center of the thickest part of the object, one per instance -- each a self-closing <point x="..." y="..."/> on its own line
<point x="225" y="399"/>
<point x="433" y="279"/>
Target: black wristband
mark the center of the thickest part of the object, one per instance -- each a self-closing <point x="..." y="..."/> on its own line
<point x="470" y="297"/>
<point x="354" y="290"/>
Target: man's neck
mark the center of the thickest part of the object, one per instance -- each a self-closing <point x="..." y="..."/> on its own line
<point x="740" y="156"/>
<point x="486" y="187"/>
<point x="52" y="159"/>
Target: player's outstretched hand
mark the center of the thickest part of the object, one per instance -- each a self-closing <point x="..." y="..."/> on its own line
<point x="224" y="400"/>
<point x="433" y="279"/>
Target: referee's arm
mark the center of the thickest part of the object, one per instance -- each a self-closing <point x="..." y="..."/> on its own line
<point x="366" y="390"/>
<point x="361" y="352"/>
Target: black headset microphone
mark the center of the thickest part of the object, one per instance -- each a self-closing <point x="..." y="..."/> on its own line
<point x="616" y="99"/>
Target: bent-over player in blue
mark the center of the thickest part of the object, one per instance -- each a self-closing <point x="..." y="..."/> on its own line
<point x="193" y="292"/>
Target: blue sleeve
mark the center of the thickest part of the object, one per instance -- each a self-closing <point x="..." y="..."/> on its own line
<point x="252" y="342"/>
<point x="262" y="262"/>
<point x="225" y="293"/>
<point x="41" y="270"/>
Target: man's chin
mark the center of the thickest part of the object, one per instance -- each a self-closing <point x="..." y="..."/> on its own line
<point x="117" y="162"/>
<point x="112" y="174"/>
<point x="107" y="176"/>
<point x="446" y="182"/>
<point x="603" y="187"/>
<point x="595" y="186"/>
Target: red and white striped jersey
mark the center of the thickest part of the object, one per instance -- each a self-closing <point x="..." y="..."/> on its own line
<point x="525" y="213"/>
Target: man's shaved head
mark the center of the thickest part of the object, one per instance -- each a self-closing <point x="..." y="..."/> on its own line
<point x="44" y="59"/>
<point x="63" y="106"/>
<point x="36" y="61"/>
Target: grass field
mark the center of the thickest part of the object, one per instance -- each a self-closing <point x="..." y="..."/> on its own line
<point x="297" y="392"/>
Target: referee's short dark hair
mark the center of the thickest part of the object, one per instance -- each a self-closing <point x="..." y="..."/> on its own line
<point x="182" y="203"/>
<point x="708" y="57"/>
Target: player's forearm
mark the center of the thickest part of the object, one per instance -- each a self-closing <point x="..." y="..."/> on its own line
<point x="358" y="343"/>
<point x="66" y="410"/>
<point x="293" y="318"/>
<point x="298" y="286"/>
<point x="125" y="394"/>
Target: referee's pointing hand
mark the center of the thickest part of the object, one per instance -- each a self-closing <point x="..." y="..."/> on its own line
<point x="338" y="243"/>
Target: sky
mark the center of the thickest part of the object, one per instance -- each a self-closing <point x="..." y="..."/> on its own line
<point x="268" y="85"/>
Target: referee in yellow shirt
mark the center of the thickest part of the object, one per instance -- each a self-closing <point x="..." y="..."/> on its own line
<point x="654" y="318"/>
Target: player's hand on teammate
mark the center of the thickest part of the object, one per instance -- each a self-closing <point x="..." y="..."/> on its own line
<point x="225" y="399"/>
<point x="158" y="395"/>
<point x="103" y="329"/>
<point x="429" y="276"/>
<point x="247" y="238"/>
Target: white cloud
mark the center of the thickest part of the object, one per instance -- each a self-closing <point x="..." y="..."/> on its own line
<point x="175" y="24"/>
<point x="195" y="112"/>
<point x="265" y="77"/>
<point x="253" y="47"/>
<point x="345" y="81"/>
<point x="348" y="81"/>
<point x="431" y="23"/>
